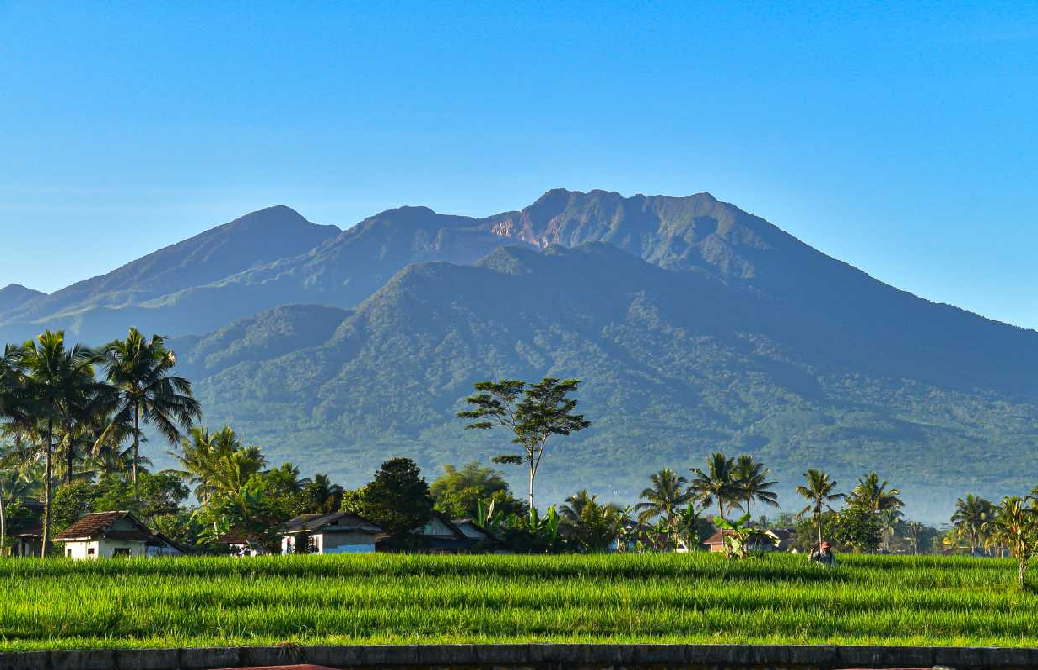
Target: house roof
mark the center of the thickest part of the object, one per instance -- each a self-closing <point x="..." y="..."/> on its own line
<point x="234" y="536"/>
<point x="94" y="525"/>
<point x="462" y="524"/>
<point x="334" y="522"/>
<point x="716" y="538"/>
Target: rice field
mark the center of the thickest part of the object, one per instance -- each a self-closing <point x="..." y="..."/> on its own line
<point x="401" y="599"/>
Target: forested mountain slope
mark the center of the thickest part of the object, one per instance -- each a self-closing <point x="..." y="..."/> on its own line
<point x="675" y="365"/>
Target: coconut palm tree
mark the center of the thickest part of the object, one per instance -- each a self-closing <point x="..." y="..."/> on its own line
<point x="217" y="462"/>
<point x="1015" y="526"/>
<point x="667" y="495"/>
<point x="820" y="493"/>
<point x="574" y="506"/>
<point x="140" y="371"/>
<point x="888" y="523"/>
<point x="716" y="484"/>
<point x="323" y="495"/>
<point x="872" y="495"/>
<point x="915" y="530"/>
<point x="57" y="379"/>
<point x="971" y="515"/>
<point x="752" y="480"/>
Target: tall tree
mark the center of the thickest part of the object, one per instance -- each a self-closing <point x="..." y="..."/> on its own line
<point x="752" y="479"/>
<point x="56" y="381"/>
<point x="820" y="493"/>
<point x="532" y="413"/>
<point x="140" y="370"/>
<point x="717" y="483"/>
<point x="970" y="518"/>
<point x="665" y="498"/>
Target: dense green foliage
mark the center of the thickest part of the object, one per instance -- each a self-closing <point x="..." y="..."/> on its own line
<point x="427" y="599"/>
<point x="397" y="499"/>
<point x="458" y="493"/>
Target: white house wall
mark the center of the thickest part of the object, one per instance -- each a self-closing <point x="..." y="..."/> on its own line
<point x="104" y="548"/>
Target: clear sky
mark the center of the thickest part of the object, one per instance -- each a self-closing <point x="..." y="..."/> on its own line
<point x="899" y="137"/>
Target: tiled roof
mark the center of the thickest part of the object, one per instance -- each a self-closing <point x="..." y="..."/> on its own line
<point x="92" y="525"/>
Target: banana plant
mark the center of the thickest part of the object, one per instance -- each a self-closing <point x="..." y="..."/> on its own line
<point x="737" y="535"/>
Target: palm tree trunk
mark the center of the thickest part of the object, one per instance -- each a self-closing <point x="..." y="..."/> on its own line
<point x="136" y="447"/>
<point x="818" y="523"/>
<point x="45" y="543"/>
<point x="3" y="524"/>
<point x="70" y="456"/>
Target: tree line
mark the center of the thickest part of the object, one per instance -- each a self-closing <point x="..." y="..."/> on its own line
<point x="73" y="419"/>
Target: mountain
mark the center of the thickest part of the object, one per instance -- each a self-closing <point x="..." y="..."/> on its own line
<point x="675" y="365"/>
<point x="695" y="326"/>
<point x="94" y="307"/>
<point x="16" y="295"/>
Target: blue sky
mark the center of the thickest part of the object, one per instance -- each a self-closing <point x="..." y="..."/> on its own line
<point x="900" y="138"/>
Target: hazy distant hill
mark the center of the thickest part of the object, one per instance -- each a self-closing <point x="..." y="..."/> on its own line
<point x="695" y="326"/>
<point x="95" y="307"/>
<point x="16" y="295"/>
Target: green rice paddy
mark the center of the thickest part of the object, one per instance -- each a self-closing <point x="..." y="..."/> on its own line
<point x="401" y="599"/>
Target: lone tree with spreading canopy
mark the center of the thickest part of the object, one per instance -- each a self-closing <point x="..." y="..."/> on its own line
<point x="533" y="412"/>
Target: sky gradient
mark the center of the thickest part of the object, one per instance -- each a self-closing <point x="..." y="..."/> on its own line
<point x="898" y="138"/>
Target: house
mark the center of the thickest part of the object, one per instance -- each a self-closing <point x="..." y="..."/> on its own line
<point x="112" y="535"/>
<point x="336" y="533"/>
<point x="28" y="543"/>
<point x="239" y="544"/>
<point x="439" y="535"/>
<point x="481" y="537"/>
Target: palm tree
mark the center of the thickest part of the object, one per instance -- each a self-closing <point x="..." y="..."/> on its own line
<point x="574" y="506"/>
<point x="873" y="496"/>
<point x="140" y="371"/>
<point x="718" y="483"/>
<point x="1015" y="526"/>
<point x="819" y="491"/>
<point x="217" y="462"/>
<point x="752" y="479"/>
<point x="322" y="494"/>
<point x="970" y="516"/>
<point x="915" y="529"/>
<point x="665" y="497"/>
<point x="57" y="380"/>
<point x="888" y="522"/>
